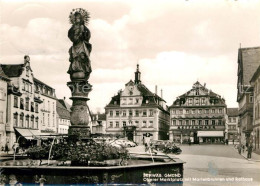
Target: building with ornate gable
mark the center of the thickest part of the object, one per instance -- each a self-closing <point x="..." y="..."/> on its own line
<point x="137" y="113"/>
<point x="198" y="116"/>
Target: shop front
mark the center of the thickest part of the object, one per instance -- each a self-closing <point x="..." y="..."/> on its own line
<point x="211" y="137"/>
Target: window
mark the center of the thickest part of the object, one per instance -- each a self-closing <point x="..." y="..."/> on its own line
<point x="36" y="107"/>
<point x="130" y="101"/>
<point x="1" y="117"/>
<point x="144" y="113"/>
<point x="111" y="124"/>
<point x="193" y="111"/>
<point x="48" y="119"/>
<point x="200" y="111"/>
<point x="180" y="122"/>
<point x="32" y="123"/>
<point x="251" y="99"/>
<point x="219" y="122"/>
<point x="124" y="113"/>
<point x="144" y="124"/>
<point x="200" y="122"/>
<point x="181" y="111"/>
<point x="197" y="101"/>
<point x="124" y="101"/>
<point x="206" y="122"/>
<point x="48" y="105"/>
<point x="16" y="101"/>
<point x="229" y="119"/>
<point x="207" y="111"/>
<point x="21" y="120"/>
<point x="187" y="111"/>
<point x="173" y="111"/>
<point x="130" y="113"/>
<point x="234" y="120"/>
<point x="36" y="123"/>
<point x="197" y="92"/>
<point x="187" y="122"/>
<point x="193" y="122"/>
<point x="151" y="113"/>
<point x="117" y="124"/>
<point x="21" y="103"/>
<point x="220" y="111"/>
<point x="190" y="101"/>
<point x="136" y="113"/>
<point x="213" y="111"/>
<point x="111" y="113"/>
<point x="213" y="122"/>
<point x="27" y="104"/>
<point x="117" y="113"/>
<point x="174" y="122"/>
<point x="32" y="106"/>
<point x="150" y="124"/>
<point x="203" y="101"/>
<point x="27" y="122"/>
<point x="43" y="119"/>
<point x="15" y="119"/>
<point x="124" y="123"/>
<point x="53" y="118"/>
<point x="136" y="101"/>
<point x="2" y="96"/>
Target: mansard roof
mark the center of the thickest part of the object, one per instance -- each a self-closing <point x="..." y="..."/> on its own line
<point x="12" y="70"/>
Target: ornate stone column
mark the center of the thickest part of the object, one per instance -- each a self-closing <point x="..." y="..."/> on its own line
<point x="79" y="70"/>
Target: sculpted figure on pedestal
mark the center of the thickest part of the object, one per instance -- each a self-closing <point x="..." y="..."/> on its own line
<point x="79" y="34"/>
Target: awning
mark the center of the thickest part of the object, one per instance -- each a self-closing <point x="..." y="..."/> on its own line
<point x="36" y="132"/>
<point x="25" y="133"/>
<point x="210" y="134"/>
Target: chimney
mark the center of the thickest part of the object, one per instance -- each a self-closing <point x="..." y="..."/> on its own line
<point x="64" y="98"/>
<point x="161" y="93"/>
<point x="155" y="89"/>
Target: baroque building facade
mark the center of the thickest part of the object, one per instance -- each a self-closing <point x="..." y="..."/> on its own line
<point x="255" y="82"/>
<point x="198" y="116"/>
<point x="24" y="104"/>
<point x="248" y="62"/>
<point x="137" y="113"/>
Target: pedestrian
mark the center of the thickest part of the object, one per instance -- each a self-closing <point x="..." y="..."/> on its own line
<point x="227" y="141"/>
<point x="233" y="141"/>
<point x="146" y="147"/>
<point x="189" y="142"/>
<point x="239" y="148"/>
<point x="249" y="151"/>
<point x="6" y="148"/>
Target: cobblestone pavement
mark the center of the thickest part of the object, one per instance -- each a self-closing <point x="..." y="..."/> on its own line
<point x="215" y="165"/>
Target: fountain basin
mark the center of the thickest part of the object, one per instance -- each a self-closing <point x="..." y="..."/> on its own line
<point x="138" y="171"/>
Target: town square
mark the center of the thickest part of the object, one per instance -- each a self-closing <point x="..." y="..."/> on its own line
<point x="130" y="92"/>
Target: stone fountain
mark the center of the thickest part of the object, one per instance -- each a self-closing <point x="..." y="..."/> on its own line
<point x="139" y="169"/>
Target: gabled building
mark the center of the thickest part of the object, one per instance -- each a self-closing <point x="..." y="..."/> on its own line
<point x="248" y="62"/>
<point x="198" y="116"/>
<point x="232" y="130"/>
<point x="255" y="82"/>
<point x="137" y="113"/>
<point x="4" y="81"/>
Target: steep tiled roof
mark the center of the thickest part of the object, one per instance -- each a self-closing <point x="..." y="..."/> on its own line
<point x="13" y="70"/>
<point x="256" y="74"/>
<point x="65" y="104"/>
<point x="232" y="111"/>
<point x="62" y="111"/>
<point x="250" y="62"/>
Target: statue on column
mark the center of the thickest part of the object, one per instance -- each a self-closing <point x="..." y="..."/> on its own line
<point x="79" y="34"/>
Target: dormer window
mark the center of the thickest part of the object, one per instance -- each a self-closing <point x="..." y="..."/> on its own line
<point x="136" y="100"/>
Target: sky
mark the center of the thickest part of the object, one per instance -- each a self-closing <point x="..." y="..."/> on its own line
<point x="175" y="43"/>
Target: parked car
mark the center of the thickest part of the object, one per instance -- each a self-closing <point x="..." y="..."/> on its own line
<point x="126" y="143"/>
